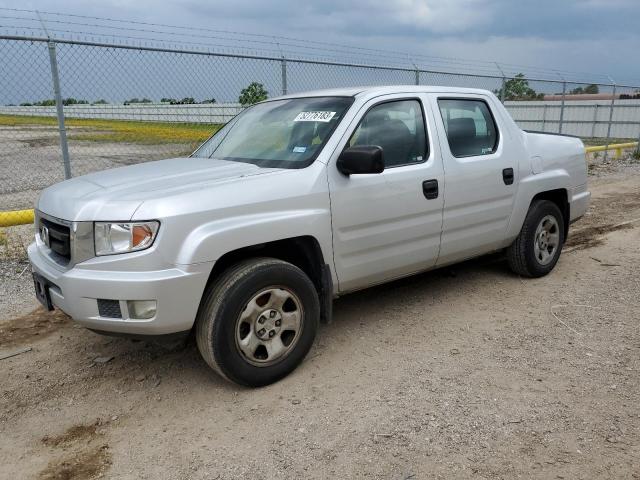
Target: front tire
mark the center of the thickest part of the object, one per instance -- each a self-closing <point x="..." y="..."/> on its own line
<point x="257" y="322"/>
<point x="537" y="248"/>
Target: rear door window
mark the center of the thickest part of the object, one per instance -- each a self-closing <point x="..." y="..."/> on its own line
<point x="471" y="129"/>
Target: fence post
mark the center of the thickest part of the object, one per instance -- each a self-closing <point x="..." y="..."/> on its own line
<point x="613" y="102"/>
<point x="502" y="88"/>
<point x="595" y="121"/>
<point x="283" y="64"/>
<point x="564" y="93"/>
<point x="544" y="117"/>
<point x="59" y="110"/>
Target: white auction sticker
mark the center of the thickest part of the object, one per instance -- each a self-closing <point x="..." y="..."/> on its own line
<point x="314" y="116"/>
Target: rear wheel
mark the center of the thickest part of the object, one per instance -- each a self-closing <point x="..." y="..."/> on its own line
<point x="536" y="250"/>
<point x="257" y="322"/>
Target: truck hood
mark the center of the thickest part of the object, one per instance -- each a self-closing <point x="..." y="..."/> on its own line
<point x="117" y="193"/>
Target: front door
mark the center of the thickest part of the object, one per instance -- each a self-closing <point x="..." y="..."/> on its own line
<point x="384" y="226"/>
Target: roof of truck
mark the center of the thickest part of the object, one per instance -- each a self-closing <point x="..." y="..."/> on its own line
<point x="381" y="90"/>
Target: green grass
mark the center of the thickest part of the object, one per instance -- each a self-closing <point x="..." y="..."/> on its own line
<point x="96" y="130"/>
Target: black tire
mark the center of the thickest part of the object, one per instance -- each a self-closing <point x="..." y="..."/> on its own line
<point x="226" y="298"/>
<point x="521" y="253"/>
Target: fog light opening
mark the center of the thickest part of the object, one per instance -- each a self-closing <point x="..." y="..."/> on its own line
<point x="141" y="309"/>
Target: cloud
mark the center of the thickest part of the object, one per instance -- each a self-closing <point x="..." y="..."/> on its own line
<point x="579" y="35"/>
<point x="437" y="16"/>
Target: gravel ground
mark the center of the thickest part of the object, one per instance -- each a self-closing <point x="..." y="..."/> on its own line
<point x="465" y="372"/>
<point x="30" y="160"/>
<point x="16" y="286"/>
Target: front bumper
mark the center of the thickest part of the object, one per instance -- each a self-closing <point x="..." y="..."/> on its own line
<point x="177" y="291"/>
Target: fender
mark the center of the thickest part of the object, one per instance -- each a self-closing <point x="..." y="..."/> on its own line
<point x="213" y="239"/>
<point x="529" y="187"/>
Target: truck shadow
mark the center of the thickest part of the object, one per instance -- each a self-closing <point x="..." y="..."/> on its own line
<point x="418" y="287"/>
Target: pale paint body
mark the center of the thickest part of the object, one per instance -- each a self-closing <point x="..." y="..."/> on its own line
<point x="370" y="228"/>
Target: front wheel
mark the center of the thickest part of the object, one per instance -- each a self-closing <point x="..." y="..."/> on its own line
<point x="257" y="322"/>
<point x="537" y="248"/>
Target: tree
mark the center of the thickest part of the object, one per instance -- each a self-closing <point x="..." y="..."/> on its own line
<point x="187" y="101"/>
<point x="137" y="100"/>
<point x="209" y="100"/>
<point x="253" y="93"/>
<point x="518" y="88"/>
<point x="102" y="101"/>
<point x="46" y="103"/>
<point x="592" y="89"/>
<point x="168" y="100"/>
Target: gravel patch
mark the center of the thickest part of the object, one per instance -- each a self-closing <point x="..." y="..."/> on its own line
<point x="30" y="160"/>
<point x="16" y="285"/>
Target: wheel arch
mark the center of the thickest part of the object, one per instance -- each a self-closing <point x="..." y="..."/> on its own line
<point x="551" y="185"/>
<point x="560" y="197"/>
<point x="304" y="252"/>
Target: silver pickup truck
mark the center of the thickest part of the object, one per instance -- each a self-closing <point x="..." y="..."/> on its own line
<point x="295" y="201"/>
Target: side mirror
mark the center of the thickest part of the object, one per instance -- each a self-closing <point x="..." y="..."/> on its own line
<point x="361" y="159"/>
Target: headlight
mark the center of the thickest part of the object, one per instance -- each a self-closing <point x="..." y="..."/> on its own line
<point x="113" y="238"/>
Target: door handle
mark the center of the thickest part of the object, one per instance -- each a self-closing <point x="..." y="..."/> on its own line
<point x="430" y="189"/>
<point x="507" y="176"/>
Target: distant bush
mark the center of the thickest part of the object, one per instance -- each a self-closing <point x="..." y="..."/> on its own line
<point x="137" y="100"/>
<point x="45" y="103"/>
<point x="73" y="101"/>
<point x="591" y="89"/>
<point x="253" y="93"/>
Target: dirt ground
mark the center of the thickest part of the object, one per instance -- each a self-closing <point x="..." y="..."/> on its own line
<point x="466" y="372"/>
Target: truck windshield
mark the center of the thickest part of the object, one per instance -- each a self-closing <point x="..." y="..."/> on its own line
<point x="280" y="133"/>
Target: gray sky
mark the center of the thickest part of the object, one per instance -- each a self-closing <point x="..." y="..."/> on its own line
<point x="572" y="35"/>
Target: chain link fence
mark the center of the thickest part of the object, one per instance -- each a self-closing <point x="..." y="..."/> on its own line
<point x="71" y="107"/>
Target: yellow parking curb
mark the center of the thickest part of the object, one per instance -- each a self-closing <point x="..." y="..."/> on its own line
<point x="618" y="147"/>
<point x="16" y="217"/>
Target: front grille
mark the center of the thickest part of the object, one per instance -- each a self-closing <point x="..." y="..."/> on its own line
<point x="59" y="238"/>
<point x="109" y="308"/>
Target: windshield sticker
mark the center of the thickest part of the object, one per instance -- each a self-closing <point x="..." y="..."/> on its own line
<point x="314" y="116"/>
<point x="299" y="149"/>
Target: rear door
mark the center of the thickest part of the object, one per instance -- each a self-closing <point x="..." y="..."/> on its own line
<point x="479" y="169"/>
<point x="384" y="226"/>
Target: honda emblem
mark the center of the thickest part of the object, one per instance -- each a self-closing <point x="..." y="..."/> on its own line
<point x="44" y="236"/>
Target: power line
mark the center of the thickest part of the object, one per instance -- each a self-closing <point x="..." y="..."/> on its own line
<point x="257" y="42"/>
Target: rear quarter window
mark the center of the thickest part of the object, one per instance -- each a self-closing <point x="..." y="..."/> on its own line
<point x="470" y="126"/>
